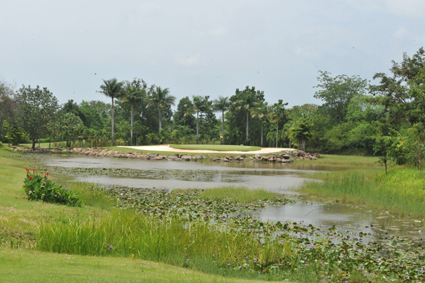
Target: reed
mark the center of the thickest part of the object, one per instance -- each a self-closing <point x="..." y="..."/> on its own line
<point x="173" y="240"/>
<point x="401" y="191"/>
<point x="123" y="233"/>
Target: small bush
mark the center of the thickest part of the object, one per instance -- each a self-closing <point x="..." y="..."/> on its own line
<point x="39" y="187"/>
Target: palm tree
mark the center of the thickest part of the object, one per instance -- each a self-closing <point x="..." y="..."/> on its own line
<point x="161" y="98"/>
<point x="261" y="112"/>
<point x="222" y="104"/>
<point x="113" y="89"/>
<point x="276" y="115"/>
<point x="103" y="135"/>
<point x="302" y="132"/>
<point x="196" y="107"/>
<point x="135" y="92"/>
<point x="80" y="134"/>
<point x="247" y="99"/>
<point x="89" y="134"/>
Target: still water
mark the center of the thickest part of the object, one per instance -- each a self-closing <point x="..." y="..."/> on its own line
<point x="279" y="178"/>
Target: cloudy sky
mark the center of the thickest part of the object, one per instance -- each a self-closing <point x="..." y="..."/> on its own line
<point x="203" y="47"/>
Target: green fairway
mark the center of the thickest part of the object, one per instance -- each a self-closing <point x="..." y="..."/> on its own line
<point x="215" y="147"/>
<point x="31" y="266"/>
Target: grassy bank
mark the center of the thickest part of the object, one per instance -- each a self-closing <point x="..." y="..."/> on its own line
<point x="32" y="266"/>
<point x="401" y="191"/>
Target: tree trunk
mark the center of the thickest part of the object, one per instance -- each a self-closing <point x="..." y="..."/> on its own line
<point x="160" y="119"/>
<point x="222" y="127"/>
<point x="262" y="128"/>
<point x="277" y="132"/>
<point x="112" y="141"/>
<point x="247" y="121"/>
<point x="33" y="143"/>
<point x="197" y="127"/>
<point x="8" y="140"/>
<point x="131" y="132"/>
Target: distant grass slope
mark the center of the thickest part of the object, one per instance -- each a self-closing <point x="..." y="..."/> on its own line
<point x="215" y="147"/>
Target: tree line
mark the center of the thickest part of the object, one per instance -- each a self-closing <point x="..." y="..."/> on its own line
<point x="385" y="118"/>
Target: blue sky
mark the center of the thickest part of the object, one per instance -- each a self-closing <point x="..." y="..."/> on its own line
<point x="203" y="47"/>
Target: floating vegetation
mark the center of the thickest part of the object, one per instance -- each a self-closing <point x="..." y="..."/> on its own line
<point x="186" y="175"/>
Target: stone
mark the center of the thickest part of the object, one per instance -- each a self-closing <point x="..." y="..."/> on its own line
<point x="160" y="157"/>
<point x="186" y="157"/>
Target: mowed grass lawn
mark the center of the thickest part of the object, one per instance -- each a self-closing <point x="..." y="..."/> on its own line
<point x="31" y="266"/>
<point x="215" y="147"/>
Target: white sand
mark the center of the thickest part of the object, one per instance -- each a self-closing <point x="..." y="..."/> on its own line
<point x="168" y="148"/>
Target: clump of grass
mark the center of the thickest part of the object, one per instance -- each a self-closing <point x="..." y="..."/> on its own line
<point x="171" y="240"/>
<point x="240" y="194"/>
<point x="400" y="191"/>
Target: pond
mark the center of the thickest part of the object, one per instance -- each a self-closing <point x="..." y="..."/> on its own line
<point x="279" y="178"/>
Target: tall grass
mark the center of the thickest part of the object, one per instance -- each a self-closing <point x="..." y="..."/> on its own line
<point x="123" y="233"/>
<point x="171" y="240"/>
<point x="401" y="191"/>
<point x="241" y="194"/>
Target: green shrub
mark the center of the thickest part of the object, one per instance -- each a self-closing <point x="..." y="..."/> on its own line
<point x="39" y="187"/>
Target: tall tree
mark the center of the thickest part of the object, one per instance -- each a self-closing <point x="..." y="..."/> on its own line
<point x="337" y="92"/>
<point x="40" y="106"/>
<point x="277" y="114"/>
<point x="113" y="89"/>
<point x="135" y="92"/>
<point x="72" y="107"/>
<point x="183" y="107"/>
<point x="197" y="106"/>
<point x="222" y="104"/>
<point x="69" y="126"/>
<point x="246" y="100"/>
<point x="302" y="132"/>
<point x="162" y="99"/>
<point x="261" y="112"/>
<point x="7" y="105"/>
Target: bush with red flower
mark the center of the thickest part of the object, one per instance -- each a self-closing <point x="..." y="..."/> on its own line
<point x="39" y="187"/>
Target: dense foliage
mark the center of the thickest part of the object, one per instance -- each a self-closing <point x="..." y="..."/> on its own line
<point x="386" y="118"/>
